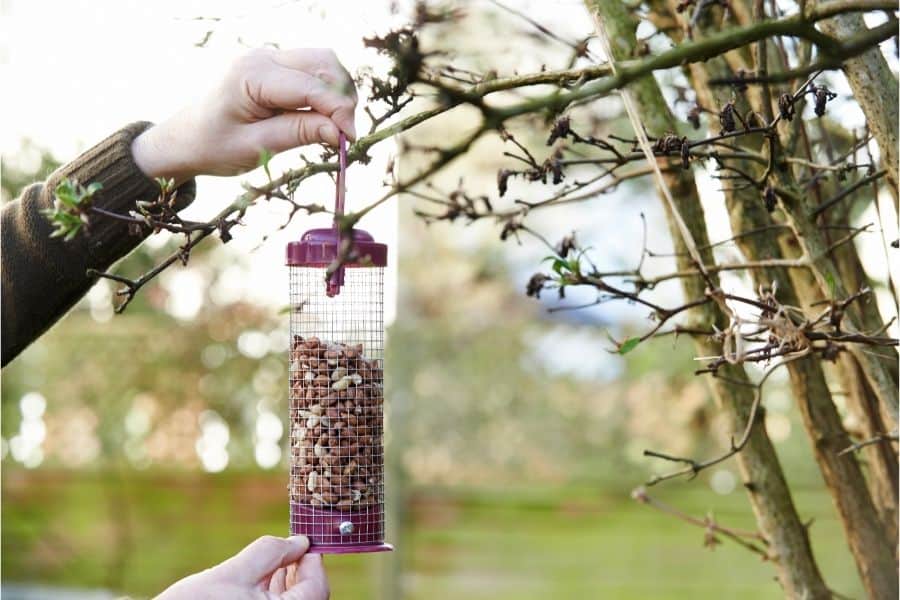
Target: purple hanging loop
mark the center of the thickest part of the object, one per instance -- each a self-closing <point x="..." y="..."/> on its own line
<point x="337" y="278"/>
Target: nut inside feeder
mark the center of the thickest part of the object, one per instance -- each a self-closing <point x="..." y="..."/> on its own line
<point x="337" y="388"/>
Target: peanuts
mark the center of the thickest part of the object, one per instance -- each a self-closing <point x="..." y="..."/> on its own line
<point x="337" y="402"/>
<point x="341" y="384"/>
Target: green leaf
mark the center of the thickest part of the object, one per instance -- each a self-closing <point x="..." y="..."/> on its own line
<point x="628" y="345"/>
<point x="831" y="285"/>
<point x="93" y="188"/>
<point x="72" y="233"/>
<point x="559" y="265"/>
<point x="72" y="195"/>
<point x="66" y="194"/>
<point x="68" y="214"/>
<point x="264" y="157"/>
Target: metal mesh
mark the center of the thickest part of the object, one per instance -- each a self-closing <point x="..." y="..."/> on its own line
<point x="336" y="407"/>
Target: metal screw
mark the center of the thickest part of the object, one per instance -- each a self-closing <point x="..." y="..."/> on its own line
<point x="346" y="527"/>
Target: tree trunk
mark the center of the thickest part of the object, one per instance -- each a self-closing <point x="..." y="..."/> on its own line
<point x="881" y="458"/>
<point x="882" y="374"/>
<point x="871" y="544"/>
<point x="769" y="494"/>
<point x="875" y="88"/>
<point x="861" y="399"/>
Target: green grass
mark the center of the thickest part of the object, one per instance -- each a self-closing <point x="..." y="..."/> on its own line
<point x="607" y="548"/>
<point x="137" y="533"/>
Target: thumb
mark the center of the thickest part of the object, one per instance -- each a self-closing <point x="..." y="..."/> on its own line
<point x="261" y="558"/>
<point x="295" y="128"/>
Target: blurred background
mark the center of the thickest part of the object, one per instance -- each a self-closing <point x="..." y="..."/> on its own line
<point x="139" y="448"/>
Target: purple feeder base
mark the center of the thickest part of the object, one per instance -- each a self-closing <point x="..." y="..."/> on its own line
<point x="349" y="548"/>
<point x="336" y="532"/>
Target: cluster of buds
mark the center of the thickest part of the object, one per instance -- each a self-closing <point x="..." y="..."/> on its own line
<point x="671" y="143"/>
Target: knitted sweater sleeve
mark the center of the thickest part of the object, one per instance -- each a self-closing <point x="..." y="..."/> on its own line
<point x="43" y="277"/>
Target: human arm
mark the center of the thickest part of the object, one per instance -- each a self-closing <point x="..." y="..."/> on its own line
<point x="43" y="276"/>
<point x="269" y="99"/>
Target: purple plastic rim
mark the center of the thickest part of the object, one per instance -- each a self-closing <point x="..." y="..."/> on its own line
<point x="349" y="548"/>
<point x="321" y="526"/>
<point x="319" y="248"/>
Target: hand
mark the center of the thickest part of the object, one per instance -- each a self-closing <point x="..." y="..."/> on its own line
<point x="269" y="568"/>
<point x="269" y="99"/>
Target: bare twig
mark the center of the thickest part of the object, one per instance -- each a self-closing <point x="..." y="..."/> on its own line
<point x="857" y="446"/>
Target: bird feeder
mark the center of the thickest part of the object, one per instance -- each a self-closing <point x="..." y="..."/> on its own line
<point x="337" y="386"/>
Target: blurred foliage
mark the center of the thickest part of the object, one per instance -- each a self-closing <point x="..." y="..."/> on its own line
<point x="30" y="164"/>
<point x="481" y="403"/>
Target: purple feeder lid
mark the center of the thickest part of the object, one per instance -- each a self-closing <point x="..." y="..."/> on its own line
<point x="319" y="248"/>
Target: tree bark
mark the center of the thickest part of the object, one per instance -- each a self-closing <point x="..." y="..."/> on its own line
<point x="882" y="373"/>
<point x="875" y="88"/>
<point x="862" y="402"/>
<point x="764" y="480"/>
<point x="881" y="458"/>
<point x="871" y="544"/>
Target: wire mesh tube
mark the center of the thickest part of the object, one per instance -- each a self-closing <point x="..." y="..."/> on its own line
<point x="337" y="410"/>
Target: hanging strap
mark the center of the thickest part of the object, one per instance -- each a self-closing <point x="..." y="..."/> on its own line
<point x="341" y="181"/>
<point x="333" y="288"/>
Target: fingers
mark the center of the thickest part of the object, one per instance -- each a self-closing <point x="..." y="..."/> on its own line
<point x="285" y="89"/>
<point x="261" y="558"/>
<point x="278" y="582"/>
<point x="311" y="581"/>
<point x="322" y="63"/>
<point x="308" y="59"/>
<point x="298" y="128"/>
<point x="290" y="575"/>
<point x="301" y="78"/>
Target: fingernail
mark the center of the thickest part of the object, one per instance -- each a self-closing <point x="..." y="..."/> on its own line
<point x="351" y="131"/>
<point x="301" y="542"/>
<point x="328" y="132"/>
